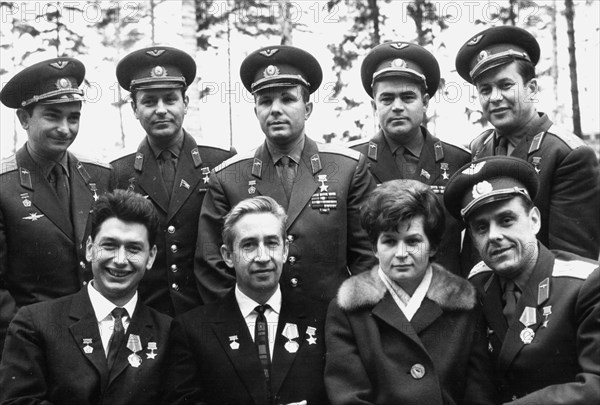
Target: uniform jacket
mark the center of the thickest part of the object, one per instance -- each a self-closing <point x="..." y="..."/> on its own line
<point x="45" y="361"/>
<point x="437" y="163"/>
<point x="561" y="364"/>
<point x="41" y="255"/>
<point x="376" y="356"/>
<point x="207" y="367"/>
<point x="569" y="193"/>
<point x="326" y="244"/>
<point x="170" y="287"/>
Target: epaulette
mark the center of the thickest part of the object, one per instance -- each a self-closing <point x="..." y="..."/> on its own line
<point x="338" y="150"/>
<point x="572" y="140"/>
<point x="486" y="135"/>
<point x="356" y="142"/>
<point x="85" y="159"/>
<point x="9" y="164"/>
<point x="480" y="267"/>
<point x="460" y="147"/>
<point x="122" y="157"/>
<point x="235" y="159"/>
<point x="224" y="149"/>
<point x="573" y="268"/>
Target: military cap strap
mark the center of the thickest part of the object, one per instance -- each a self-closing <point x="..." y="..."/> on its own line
<point x="51" y="94"/>
<point x="279" y="77"/>
<point x="500" y="56"/>
<point x="161" y="79"/>
<point x="377" y="74"/>
<point x="513" y="190"/>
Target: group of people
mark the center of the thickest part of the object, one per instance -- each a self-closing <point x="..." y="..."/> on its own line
<point x="400" y="270"/>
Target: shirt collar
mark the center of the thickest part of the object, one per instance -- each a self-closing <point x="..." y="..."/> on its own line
<point x="415" y="146"/>
<point x="103" y="307"/>
<point x="407" y="304"/>
<point x="175" y="147"/>
<point x="295" y="154"/>
<point x="47" y="165"/>
<point x="247" y="304"/>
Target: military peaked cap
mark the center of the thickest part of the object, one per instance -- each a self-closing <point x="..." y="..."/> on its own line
<point x="495" y="47"/>
<point x="280" y="66"/>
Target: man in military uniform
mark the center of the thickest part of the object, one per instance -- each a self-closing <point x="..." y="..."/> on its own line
<point x="168" y="167"/>
<point x="501" y="61"/>
<point x="321" y="186"/>
<point x="542" y="307"/>
<point x="45" y="191"/>
<point x="401" y="78"/>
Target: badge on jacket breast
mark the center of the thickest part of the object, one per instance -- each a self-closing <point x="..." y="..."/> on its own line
<point x="324" y="200"/>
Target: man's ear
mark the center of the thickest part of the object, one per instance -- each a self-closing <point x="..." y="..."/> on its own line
<point x="151" y="258"/>
<point x="536" y="220"/>
<point x="426" y="100"/>
<point x="134" y="108"/>
<point x="90" y="254"/>
<point x="308" y="109"/>
<point x="24" y="118"/>
<point x="227" y="256"/>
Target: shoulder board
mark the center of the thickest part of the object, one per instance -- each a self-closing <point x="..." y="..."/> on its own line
<point x="338" y="150"/>
<point x="482" y="138"/>
<point x="223" y="148"/>
<point x="357" y="142"/>
<point x="235" y="159"/>
<point x="480" y="267"/>
<point x="572" y="140"/>
<point x="85" y="159"/>
<point x="123" y="157"/>
<point x="9" y="164"/>
<point x="460" y="147"/>
<point x="573" y="268"/>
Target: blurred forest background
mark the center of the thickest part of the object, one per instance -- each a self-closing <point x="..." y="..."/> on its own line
<point x="220" y="34"/>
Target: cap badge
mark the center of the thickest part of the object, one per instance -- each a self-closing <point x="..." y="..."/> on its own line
<point x="473" y="169"/>
<point x="482" y="188"/>
<point x="155" y="52"/>
<point x="60" y="64"/>
<point x="399" y="45"/>
<point x="271" y="71"/>
<point x="482" y="55"/>
<point x="475" y="40"/>
<point x="398" y="63"/>
<point x="158" y="71"/>
<point x="269" y="52"/>
<point x="63" y="83"/>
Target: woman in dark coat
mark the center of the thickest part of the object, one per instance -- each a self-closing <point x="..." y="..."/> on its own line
<point x="408" y="331"/>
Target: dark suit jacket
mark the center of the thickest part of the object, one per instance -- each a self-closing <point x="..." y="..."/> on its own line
<point x="205" y="369"/>
<point x="326" y="245"/>
<point x="44" y="359"/>
<point x="170" y="287"/>
<point x="41" y="255"/>
<point x="435" y="156"/>
<point x="561" y="364"/>
<point x="569" y="193"/>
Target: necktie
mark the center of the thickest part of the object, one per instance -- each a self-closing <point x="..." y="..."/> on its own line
<point x="117" y="337"/>
<point x="168" y="167"/>
<point x="59" y="180"/>
<point x="510" y="297"/>
<point x="408" y="163"/>
<point x="288" y="174"/>
<point x="502" y="146"/>
<point x="261" y="338"/>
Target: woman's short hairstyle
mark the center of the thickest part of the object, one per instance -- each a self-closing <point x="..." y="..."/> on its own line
<point x="127" y="206"/>
<point x="397" y="201"/>
<point x="255" y="205"/>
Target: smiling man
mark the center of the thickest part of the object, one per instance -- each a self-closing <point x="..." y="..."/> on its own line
<point x="259" y="344"/>
<point x="168" y="167"/>
<point x="542" y="307"/>
<point x="320" y="185"/>
<point x="500" y="62"/>
<point x="45" y="191"/>
<point x="101" y="344"/>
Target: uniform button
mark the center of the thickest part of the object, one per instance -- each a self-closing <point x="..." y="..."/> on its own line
<point x="84" y="283"/>
<point x="174" y="268"/>
<point x="290" y="238"/>
<point x="82" y="264"/>
<point x="175" y="286"/>
<point x="292" y="260"/>
<point x="294" y="282"/>
<point x="417" y="371"/>
<point x="174" y="248"/>
<point x="171" y="229"/>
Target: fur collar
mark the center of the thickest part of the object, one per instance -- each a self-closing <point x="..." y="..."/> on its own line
<point x="366" y="289"/>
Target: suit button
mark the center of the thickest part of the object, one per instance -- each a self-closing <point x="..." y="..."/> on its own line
<point x="174" y="268"/>
<point x="292" y="260"/>
<point x="171" y="229"/>
<point x="175" y="286"/>
<point x="174" y="248"/>
<point x="290" y="238"/>
<point x="84" y="283"/>
<point x="417" y="371"/>
<point x="82" y="264"/>
<point x="294" y="282"/>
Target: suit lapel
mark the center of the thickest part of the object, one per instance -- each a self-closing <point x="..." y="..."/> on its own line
<point x="42" y="194"/>
<point x="427" y="163"/>
<point x="81" y="197"/>
<point x="187" y="176"/>
<point x="149" y="177"/>
<point x="387" y="310"/>
<point x="304" y="183"/>
<point x="492" y="308"/>
<point x="427" y="314"/>
<point x="85" y="326"/>
<point x="385" y="167"/>
<point x="267" y="180"/>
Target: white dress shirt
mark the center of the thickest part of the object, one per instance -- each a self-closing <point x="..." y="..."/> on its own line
<point x="103" y="308"/>
<point x="247" y="306"/>
<point x="407" y="304"/>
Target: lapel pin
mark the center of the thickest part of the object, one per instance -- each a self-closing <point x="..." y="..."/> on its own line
<point x="233" y="342"/>
<point x="310" y="331"/>
<point x="527" y="319"/>
<point x="205" y="174"/>
<point x="547" y="311"/>
<point x="536" y="164"/>
<point x="94" y="190"/>
<point x="425" y="173"/>
<point x="26" y="200"/>
<point x="251" y="187"/>
<point x="290" y="332"/>
<point x="152" y="347"/>
<point x="34" y="216"/>
<point x="135" y="345"/>
<point x="444" y="167"/>
<point x="87" y="349"/>
<point x="184" y="184"/>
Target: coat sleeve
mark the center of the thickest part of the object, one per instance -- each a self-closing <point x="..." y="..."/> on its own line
<point x="574" y="215"/>
<point x="22" y="370"/>
<point x="346" y="378"/>
<point x="359" y="250"/>
<point x="213" y="277"/>
<point x="585" y="389"/>
<point x="7" y="302"/>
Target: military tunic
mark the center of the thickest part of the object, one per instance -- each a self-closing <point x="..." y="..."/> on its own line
<point x="170" y="287"/>
<point x="326" y="240"/>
